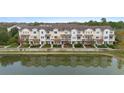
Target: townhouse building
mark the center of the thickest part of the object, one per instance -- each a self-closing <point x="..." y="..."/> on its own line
<point x="65" y="33"/>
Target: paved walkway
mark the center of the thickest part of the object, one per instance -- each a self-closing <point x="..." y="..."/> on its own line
<point x="57" y="49"/>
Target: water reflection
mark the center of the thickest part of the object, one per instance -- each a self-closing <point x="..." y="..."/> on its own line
<point x="71" y="60"/>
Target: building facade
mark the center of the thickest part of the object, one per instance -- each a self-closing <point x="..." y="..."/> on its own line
<point x="64" y="33"/>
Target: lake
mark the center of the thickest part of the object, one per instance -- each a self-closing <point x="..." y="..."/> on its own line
<point x="60" y="65"/>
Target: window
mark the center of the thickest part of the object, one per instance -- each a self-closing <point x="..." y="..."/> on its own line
<point x="106" y="32"/>
<point x="79" y="37"/>
<point x="42" y="32"/>
<point x="66" y="32"/>
<point x="74" y="37"/>
<point x="55" y="32"/>
<point x="106" y="37"/>
<point x="97" y="32"/>
<point x="97" y="37"/>
<point x="42" y="37"/>
<point x="78" y="32"/>
<point x="110" y="36"/>
<point x="55" y="37"/>
<point x="111" y="32"/>
<point x="34" y="32"/>
<point x="86" y="36"/>
<point x="35" y="37"/>
<point x="73" y="32"/>
<point x="48" y="37"/>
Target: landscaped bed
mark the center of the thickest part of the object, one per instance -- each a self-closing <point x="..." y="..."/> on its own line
<point x="57" y="46"/>
<point x="47" y="46"/>
<point x="35" y="46"/>
<point x="101" y="46"/>
<point x="89" y="46"/>
<point x="68" y="46"/>
<point x="25" y="45"/>
<point x="112" y="46"/>
<point x="78" y="46"/>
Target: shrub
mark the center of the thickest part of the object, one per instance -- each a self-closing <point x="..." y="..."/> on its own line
<point x="47" y="46"/>
<point x="78" y="45"/>
<point x="57" y="46"/>
<point x="101" y="46"/>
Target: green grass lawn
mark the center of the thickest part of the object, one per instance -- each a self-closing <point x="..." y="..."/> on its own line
<point x="13" y="45"/>
<point x="119" y="53"/>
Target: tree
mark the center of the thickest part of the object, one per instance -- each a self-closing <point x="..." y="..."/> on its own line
<point x="13" y="40"/>
<point x="13" y="32"/>
<point x="103" y="20"/>
<point x="36" y="24"/>
<point x="3" y="38"/>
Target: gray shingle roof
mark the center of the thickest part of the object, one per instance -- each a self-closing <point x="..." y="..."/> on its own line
<point x="63" y="26"/>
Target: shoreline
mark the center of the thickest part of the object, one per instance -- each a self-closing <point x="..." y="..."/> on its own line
<point x="111" y="53"/>
<point x="57" y="49"/>
<point x="45" y="51"/>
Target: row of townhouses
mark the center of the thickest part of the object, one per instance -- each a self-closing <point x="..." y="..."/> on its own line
<point x="63" y="33"/>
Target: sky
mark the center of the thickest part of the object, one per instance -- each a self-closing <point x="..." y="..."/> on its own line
<point x="57" y="19"/>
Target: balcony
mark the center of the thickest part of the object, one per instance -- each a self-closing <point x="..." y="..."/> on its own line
<point x="88" y="39"/>
<point x="111" y="32"/>
<point x="65" y="35"/>
<point x="66" y="39"/>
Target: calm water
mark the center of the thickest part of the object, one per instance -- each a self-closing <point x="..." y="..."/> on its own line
<point x="60" y="65"/>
